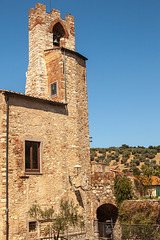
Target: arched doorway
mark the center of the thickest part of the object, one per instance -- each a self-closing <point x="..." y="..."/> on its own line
<point x="107" y="215"/>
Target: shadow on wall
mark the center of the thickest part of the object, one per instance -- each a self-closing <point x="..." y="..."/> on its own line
<point x="39" y="104"/>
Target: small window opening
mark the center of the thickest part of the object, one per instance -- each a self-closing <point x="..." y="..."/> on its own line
<point x="32" y="156"/>
<point x="32" y="226"/>
<point x="54" y="91"/>
<point x="58" y="33"/>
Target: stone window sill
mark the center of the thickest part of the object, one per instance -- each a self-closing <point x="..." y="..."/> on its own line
<point x="26" y="175"/>
<point x="32" y="173"/>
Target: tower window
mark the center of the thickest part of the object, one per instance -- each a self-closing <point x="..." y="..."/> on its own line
<point x="53" y="89"/>
<point x="58" y="32"/>
<point x="32" y="156"/>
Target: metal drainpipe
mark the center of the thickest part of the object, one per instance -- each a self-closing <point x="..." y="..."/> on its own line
<point x="7" y="134"/>
<point x="65" y="77"/>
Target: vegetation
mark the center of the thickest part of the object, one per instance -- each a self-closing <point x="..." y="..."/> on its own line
<point x="67" y="216"/>
<point x="139" y="220"/>
<point x="128" y="157"/>
<point x="123" y="188"/>
<point x="139" y="213"/>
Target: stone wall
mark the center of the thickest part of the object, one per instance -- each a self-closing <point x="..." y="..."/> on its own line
<point x="62" y="146"/>
<point x="3" y="118"/>
<point x="102" y="185"/>
<point x="55" y="69"/>
<point x="62" y="130"/>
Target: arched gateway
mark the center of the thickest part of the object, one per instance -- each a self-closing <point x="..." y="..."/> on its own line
<point x="107" y="215"/>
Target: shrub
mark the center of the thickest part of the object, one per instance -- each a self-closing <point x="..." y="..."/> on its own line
<point x="115" y="164"/>
<point x="125" y="170"/>
<point x="146" y="161"/>
<point x="111" y="156"/>
<point x="117" y="159"/>
<point x="107" y="162"/>
<point x="124" y="160"/>
<point x="127" y="154"/>
<point x="132" y="164"/>
<point x="102" y="150"/>
<point x="100" y="158"/>
<point x="111" y="149"/>
<point x="151" y="153"/>
<point x="126" y="164"/>
<point x="139" y="213"/>
<point x="136" y="171"/>
<point x="122" y="188"/>
<point x="134" y="151"/>
<point x="67" y="216"/>
<point x="124" y="146"/>
<point x="153" y="163"/>
<point x="92" y="158"/>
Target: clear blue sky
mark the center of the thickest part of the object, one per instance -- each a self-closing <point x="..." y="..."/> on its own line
<point x="121" y="39"/>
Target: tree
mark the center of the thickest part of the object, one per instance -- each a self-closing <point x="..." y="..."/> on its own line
<point x="67" y="216"/>
<point x="123" y="188"/>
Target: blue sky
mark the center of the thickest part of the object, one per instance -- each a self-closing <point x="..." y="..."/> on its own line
<point x="121" y="39"/>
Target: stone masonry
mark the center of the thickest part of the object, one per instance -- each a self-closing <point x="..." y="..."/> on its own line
<point x="40" y="39"/>
<point x="59" y="124"/>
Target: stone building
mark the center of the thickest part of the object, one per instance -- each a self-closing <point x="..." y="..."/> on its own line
<point x="44" y="136"/>
<point x="44" y="133"/>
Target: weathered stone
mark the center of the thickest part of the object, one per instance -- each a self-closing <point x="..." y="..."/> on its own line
<point x="61" y="129"/>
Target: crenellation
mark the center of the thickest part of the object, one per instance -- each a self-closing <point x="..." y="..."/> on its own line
<point x="40" y="7"/>
<point x="56" y="13"/>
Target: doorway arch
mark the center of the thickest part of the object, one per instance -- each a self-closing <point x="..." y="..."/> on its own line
<point x="107" y="215"/>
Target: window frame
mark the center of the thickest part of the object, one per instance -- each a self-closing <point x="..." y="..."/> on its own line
<point x="32" y="226"/>
<point x="55" y="95"/>
<point x="31" y="169"/>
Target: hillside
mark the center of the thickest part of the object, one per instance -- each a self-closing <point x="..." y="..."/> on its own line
<point x="126" y="157"/>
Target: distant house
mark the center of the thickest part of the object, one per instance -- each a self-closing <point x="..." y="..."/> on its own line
<point x="148" y="186"/>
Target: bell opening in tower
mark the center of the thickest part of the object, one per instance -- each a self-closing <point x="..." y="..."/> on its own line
<point x="58" y="33"/>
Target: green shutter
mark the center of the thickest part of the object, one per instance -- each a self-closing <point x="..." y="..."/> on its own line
<point x="157" y="191"/>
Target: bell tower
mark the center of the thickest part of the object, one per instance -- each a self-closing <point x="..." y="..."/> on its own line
<point x="57" y="73"/>
<point x="50" y="37"/>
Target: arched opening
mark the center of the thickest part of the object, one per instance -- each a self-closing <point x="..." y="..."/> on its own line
<point x="107" y="215"/>
<point x="58" y="33"/>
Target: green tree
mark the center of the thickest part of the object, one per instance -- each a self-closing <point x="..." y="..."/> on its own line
<point x="67" y="216"/>
<point x="123" y="188"/>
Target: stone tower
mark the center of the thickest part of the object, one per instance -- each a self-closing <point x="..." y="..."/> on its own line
<point x="45" y="132"/>
<point x="51" y="41"/>
<point x="57" y="73"/>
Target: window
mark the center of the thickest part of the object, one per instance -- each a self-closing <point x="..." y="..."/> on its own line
<point x="32" y="156"/>
<point x="32" y="226"/>
<point x="58" y="33"/>
<point x="54" y="91"/>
